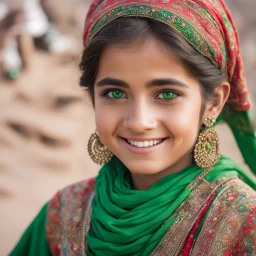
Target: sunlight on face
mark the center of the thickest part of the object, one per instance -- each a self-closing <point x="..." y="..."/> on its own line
<point x="147" y="107"/>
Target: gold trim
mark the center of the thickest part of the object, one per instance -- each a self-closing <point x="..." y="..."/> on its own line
<point x="186" y="215"/>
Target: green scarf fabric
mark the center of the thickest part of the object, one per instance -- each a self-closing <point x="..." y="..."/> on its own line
<point x="130" y="222"/>
<point x="34" y="240"/>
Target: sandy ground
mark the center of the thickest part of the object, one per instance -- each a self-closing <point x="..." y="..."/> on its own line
<point x="43" y="147"/>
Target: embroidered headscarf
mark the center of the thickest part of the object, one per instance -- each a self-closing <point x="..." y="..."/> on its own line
<point x="208" y="26"/>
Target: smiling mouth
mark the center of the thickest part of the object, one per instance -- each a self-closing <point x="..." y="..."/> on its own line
<point x="145" y="143"/>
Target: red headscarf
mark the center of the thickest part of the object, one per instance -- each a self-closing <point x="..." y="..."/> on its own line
<point x="206" y="24"/>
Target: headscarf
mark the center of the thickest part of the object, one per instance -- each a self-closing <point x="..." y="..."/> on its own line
<point x="208" y="26"/>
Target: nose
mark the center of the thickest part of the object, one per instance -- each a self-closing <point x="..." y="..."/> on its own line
<point x="140" y="118"/>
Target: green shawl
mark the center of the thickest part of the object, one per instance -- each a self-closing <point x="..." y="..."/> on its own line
<point x="132" y="222"/>
<point x="34" y="240"/>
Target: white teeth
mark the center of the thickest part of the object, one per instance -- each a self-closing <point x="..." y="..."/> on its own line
<point x="144" y="144"/>
<point x="139" y="144"/>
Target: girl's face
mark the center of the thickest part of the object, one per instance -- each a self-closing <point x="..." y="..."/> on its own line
<point x="147" y="108"/>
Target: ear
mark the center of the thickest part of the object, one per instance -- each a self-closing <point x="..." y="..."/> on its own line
<point x="214" y="107"/>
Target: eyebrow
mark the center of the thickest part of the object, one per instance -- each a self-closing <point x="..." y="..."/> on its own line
<point x="156" y="82"/>
<point x="112" y="81"/>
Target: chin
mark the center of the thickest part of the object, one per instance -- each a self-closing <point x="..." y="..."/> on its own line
<point x="145" y="168"/>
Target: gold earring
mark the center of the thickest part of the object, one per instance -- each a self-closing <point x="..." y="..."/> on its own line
<point x="207" y="148"/>
<point x="98" y="152"/>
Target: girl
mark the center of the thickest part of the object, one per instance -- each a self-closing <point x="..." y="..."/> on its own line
<point x="160" y="73"/>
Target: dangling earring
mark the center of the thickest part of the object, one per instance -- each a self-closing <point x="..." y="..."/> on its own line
<point x="98" y="152"/>
<point x="207" y="148"/>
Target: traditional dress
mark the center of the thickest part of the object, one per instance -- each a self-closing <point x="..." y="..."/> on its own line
<point x="191" y="212"/>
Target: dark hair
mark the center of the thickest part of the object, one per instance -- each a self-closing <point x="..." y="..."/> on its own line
<point x="125" y="30"/>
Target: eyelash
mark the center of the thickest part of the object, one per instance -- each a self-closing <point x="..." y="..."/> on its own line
<point x="105" y="94"/>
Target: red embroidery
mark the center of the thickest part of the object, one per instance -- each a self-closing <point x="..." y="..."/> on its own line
<point x="190" y="239"/>
<point x="66" y="217"/>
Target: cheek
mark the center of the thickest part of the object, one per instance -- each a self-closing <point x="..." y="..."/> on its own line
<point x="103" y="122"/>
<point x="107" y="118"/>
<point x="182" y="121"/>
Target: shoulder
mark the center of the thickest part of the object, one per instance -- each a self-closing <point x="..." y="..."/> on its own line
<point x="237" y="195"/>
<point x="235" y="201"/>
<point x="240" y="191"/>
<point x="234" y="198"/>
<point x="66" y="205"/>
<point x="240" y="220"/>
<point x="230" y="226"/>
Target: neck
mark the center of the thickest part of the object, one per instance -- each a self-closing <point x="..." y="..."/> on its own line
<point x="145" y="181"/>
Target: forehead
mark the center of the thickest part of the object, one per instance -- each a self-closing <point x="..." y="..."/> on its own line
<point x="145" y="60"/>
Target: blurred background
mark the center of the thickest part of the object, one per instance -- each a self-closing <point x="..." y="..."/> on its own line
<point x="45" y="118"/>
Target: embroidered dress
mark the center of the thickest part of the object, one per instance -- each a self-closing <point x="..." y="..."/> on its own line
<point x="191" y="212"/>
<point x="215" y="215"/>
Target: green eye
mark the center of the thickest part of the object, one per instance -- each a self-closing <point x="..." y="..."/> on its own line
<point x="116" y="94"/>
<point x="167" y="95"/>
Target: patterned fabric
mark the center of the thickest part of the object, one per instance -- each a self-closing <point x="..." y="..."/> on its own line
<point x="190" y="239"/>
<point x="207" y="25"/>
<point x="53" y="227"/>
<point x="229" y="227"/>
<point x="66" y="222"/>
